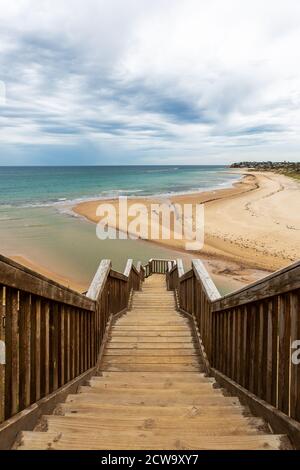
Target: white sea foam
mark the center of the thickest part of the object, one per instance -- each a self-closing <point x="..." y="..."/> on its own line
<point x="64" y="205"/>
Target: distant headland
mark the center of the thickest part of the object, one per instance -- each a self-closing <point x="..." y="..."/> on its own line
<point x="287" y="168"/>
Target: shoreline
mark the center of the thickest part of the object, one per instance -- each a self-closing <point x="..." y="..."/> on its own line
<point x="238" y="220"/>
<point x="231" y="213"/>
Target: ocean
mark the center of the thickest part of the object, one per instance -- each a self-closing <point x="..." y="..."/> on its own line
<point x="36" y="221"/>
<point x="44" y="186"/>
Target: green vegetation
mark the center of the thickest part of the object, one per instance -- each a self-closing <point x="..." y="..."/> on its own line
<point x="291" y="169"/>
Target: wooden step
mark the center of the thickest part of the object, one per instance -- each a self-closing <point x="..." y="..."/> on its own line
<point x="161" y="398"/>
<point x="151" y="339"/>
<point x="136" y="411"/>
<point x="183" y="377"/>
<point x="153" y="426"/>
<point x="76" y="439"/>
<point x="132" y="328"/>
<point x="199" y="424"/>
<point x="157" y="334"/>
<point x="110" y="359"/>
<point x="153" y="367"/>
<point x="151" y="384"/>
<point x="153" y="352"/>
<point x="176" y="387"/>
<point x="140" y="345"/>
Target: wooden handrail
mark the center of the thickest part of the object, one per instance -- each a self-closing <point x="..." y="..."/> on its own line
<point x="280" y="282"/>
<point x="247" y="337"/>
<point x="117" y="275"/>
<point x="207" y="282"/>
<point x="16" y="276"/>
<point x="49" y="334"/>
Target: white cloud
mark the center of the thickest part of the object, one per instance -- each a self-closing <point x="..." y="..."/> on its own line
<point x="191" y="81"/>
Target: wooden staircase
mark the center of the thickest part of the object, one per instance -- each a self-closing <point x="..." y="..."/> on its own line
<point x="151" y="392"/>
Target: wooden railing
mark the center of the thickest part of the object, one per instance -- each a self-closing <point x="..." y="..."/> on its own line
<point x="157" y="266"/>
<point x="247" y="337"/>
<point x="50" y="334"/>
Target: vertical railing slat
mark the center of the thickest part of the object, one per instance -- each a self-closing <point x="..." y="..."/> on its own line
<point x="45" y="348"/>
<point x="284" y="353"/>
<point x="25" y="348"/>
<point x="295" y="366"/>
<point x="2" y="362"/>
<point x="12" y="358"/>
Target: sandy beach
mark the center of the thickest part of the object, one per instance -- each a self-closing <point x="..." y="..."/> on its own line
<point x="253" y="225"/>
<point x="67" y="282"/>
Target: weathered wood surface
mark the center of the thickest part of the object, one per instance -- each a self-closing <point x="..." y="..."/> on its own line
<point x="128" y="267"/>
<point x="153" y="396"/>
<point x="51" y="334"/>
<point x="247" y="336"/>
<point x="205" y="279"/>
<point x="17" y="276"/>
<point x="180" y="267"/>
<point x="28" y="418"/>
<point x="99" y="280"/>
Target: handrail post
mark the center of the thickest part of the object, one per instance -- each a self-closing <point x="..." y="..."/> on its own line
<point x="141" y="271"/>
<point x="180" y="267"/>
<point x="99" y="280"/>
<point x="128" y="267"/>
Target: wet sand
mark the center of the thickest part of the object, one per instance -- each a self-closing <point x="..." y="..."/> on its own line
<point x="253" y="225"/>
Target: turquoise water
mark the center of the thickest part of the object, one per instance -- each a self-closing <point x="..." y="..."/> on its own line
<point x="24" y="186"/>
<point x="35" y="224"/>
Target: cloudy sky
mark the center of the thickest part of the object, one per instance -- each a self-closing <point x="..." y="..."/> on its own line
<point x="149" y="81"/>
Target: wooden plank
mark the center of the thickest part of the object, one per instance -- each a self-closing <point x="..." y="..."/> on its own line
<point x="54" y="329"/>
<point x="119" y="276"/>
<point x="252" y="332"/>
<point x="161" y="334"/>
<point x="153" y="352"/>
<point x="142" y="441"/>
<point x="272" y="369"/>
<point x="263" y="351"/>
<point x="67" y="345"/>
<point x="45" y="348"/>
<point x="17" y="276"/>
<point x="62" y="348"/>
<point x="243" y="369"/>
<point x="72" y="342"/>
<point x="143" y="345"/>
<point x="141" y="328"/>
<point x="37" y="346"/>
<point x="12" y="359"/>
<point x="140" y="359"/>
<point x="284" y="353"/>
<point x="295" y="366"/>
<point x="152" y="339"/>
<point x="76" y="342"/>
<point x="247" y="364"/>
<point x="25" y="348"/>
<point x="154" y="368"/>
<point x="2" y="354"/>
